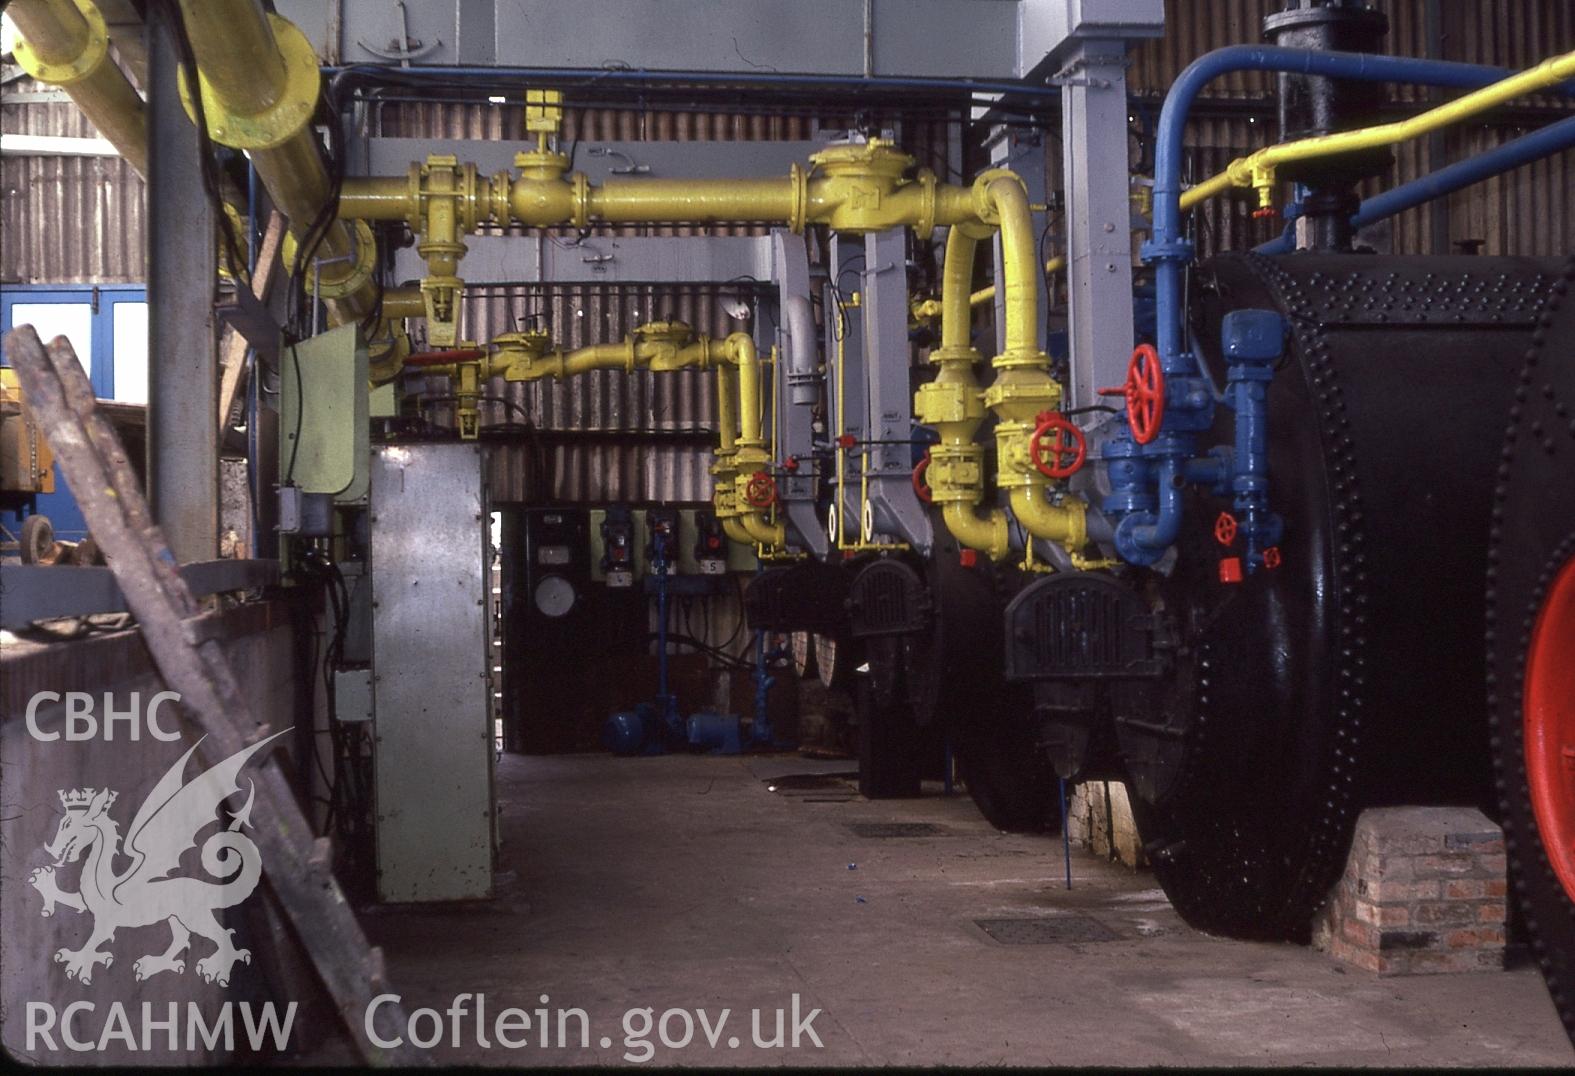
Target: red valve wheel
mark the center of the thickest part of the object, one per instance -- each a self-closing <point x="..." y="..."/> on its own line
<point x="1145" y="393"/>
<point x="761" y="492"/>
<point x="1062" y="456"/>
<point x="1225" y="529"/>
<point x="921" y="489"/>
<point x="1271" y="557"/>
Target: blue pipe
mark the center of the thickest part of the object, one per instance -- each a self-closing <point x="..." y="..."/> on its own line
<point x="1168" y="249"/>
<point x="1544" y="142"/>
<point x="1143" y="535"/>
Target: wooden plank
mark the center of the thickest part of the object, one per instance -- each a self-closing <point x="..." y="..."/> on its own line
<point x="194" y="665"/>
<point x="233" y="354"/>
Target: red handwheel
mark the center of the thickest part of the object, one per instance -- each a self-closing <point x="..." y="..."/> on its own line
<point x="1063" y="454"/>
<point x="921" y="488"/>
<point x="761" y="492"/>
<point x="1145" y="393"/>
<point x="1225" y="529"/>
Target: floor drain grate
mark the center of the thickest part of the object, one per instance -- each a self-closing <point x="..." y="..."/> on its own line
<point x="1060" y="930"/>
<point x="895" y="829"/>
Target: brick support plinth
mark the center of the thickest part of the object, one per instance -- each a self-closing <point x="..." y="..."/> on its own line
<point x="1423" y="891"/>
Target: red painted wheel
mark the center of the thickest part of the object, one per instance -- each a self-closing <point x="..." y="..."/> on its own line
<point x="1548" y="710"/>
<point x="761" y="492"/>
<point x="1066" y="448"/>
<point x="1145" y="393"/>
<point x="921" y="489"/>
<point x="1225" y="529"/>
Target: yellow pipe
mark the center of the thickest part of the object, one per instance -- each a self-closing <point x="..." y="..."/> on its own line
<point x="951" y="404"/>
<point x="66" y="44"/>
<point x="249" y="75"/>
<point x="862" y="188"/>
<point x="1257" y="170"/>
<point x="260" y="83"/>
<point x="1023" y="388"/>
<point x="404" y="303"/>
<point x="1020" y="268"/>
<point x="1207" y="189"/>
<point x="987" y="295"/>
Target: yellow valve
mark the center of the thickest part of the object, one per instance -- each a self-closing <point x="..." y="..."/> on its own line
<point x="543" y="111"/>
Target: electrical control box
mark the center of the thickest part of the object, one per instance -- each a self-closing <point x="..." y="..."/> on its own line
<point x="734" y="557"/>
<point x="618" y="553"/>
<point x="710" y="548"/>
<point x="662" y="534"/>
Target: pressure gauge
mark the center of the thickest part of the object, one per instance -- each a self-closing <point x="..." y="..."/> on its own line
<point x="554" y="596"/>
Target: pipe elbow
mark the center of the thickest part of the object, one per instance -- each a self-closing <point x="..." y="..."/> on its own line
<point x="762" y="531"/>
<point x="1065" y="524"/>
<point x="987" y="532"/>
<point x="734" y="529"/>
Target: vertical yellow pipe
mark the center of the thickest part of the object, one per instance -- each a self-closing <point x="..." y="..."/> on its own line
<point x="1023" y="387"/>
<point x="951" y="405"/>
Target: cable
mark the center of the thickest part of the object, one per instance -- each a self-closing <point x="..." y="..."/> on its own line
<point x="300" y="411"/>
<point x="206" y="158"/>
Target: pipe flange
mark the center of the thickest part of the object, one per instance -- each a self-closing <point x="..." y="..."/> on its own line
<point x="924" y="227"/>
<point x="290" y="114"/>
<point x="498" y="204"/>
<point x="75" y="70"/>
<point x="983" y="204"/>
<point x="582" y="200"/>
<point x="345" y="276"/>
<point x="470" y="197"/>
<point x="798" y="214"/>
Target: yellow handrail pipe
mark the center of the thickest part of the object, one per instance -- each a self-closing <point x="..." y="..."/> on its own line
<point x="66" y="44"/>
<point x="1257" y="170"/>
<point x="987" y="295"/>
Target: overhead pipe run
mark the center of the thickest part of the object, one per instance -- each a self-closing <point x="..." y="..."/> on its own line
<point x="742" y="456"/>
<point x="66" y="44"/>
<point x="1258" y="169"/>
<point x="260" y="83"/>
<point x="1545" y="142"/>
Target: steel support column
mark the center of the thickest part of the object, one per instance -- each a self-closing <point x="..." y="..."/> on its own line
<point x="888" y="362"/>
<point x="797" y="384"/>
<point x="183" y="450"/>
<point x="1098" y="215"/>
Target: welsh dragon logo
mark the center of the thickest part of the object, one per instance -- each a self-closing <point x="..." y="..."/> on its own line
<point x="166" y="826"/>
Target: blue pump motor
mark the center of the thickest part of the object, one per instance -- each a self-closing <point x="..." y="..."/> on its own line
<point x="719" y="733"/>
<point x="633" y="732"/>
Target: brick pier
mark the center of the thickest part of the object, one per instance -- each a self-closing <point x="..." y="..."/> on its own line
<point x="1423" y="892"/>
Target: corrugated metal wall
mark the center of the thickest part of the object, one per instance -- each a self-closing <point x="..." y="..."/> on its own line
<point x="66" y="219"/>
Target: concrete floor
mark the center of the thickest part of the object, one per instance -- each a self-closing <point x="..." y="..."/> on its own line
<point x="684" y="882"/>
